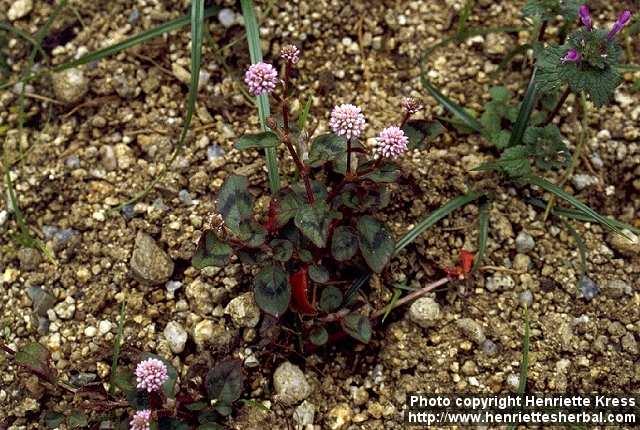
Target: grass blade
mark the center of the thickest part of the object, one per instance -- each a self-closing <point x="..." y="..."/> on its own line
<point x="353" y="289"/>
<point x="524" y="116"/>
<point x="24" y="35"/>
<point x="434" y="217"/>
<point x="304" y="115"/>
<point x="396" y="295"/>
<point x="560" y="193"/>
<point x="483" y="234"/>
<point x="255" y="52"/>
<point x="464" y="17"/>
<point x="524" y="363"/>
<point x="451" y="106"/>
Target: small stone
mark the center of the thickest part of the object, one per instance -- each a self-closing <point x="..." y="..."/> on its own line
<point x="70" y="85"/>
<point x="72" y="162"/>
<point x="149" y="263"/>
<point x="104" y="327"/>
<point x="227" y="17"/>
<point x="513" y="381"/>
<point x="588" y="288"/>
<point x="185" y="197"/>
<point x="617" y="288"/>
<point x="41" y="300"/>
<point x="489" y="347"/>
<point x="176" y="336"/>
<point x="629" y="343"/>
<point x="339" y="417"/>
<point x="19" y="9"/>
<point x="627" y="244"/>
<point x="499" y="282"/>
<point x="425" y="312"/>
<point x="29" y="258"/>
<point x="469" y="368"/>
<point x="525" y="298"/>
<point x="521" y="262"/>
<point x="134" y="16"/>
<point x="583" y="181"/>
<point x="203" y="332"/>
<point x="65" y="309"/>
<point x="472" y="330"/>
<point x="243" y="310"/>
<point x="290" y="384"/>
<point x="524" y="242"/>
<point x="90" y="331"/>
<point x="303" y="415"/>
<point x="208" y="333"/>
<point x="214" y="152"/>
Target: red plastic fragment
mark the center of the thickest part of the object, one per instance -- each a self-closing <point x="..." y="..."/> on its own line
<point x="466" y="263"/>
<point x="299" y="288"/>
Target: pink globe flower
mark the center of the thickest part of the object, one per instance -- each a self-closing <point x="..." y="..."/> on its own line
<point x="141" y="420"/>
<point x="347" y="120"/>
<point x="290" y="53"/>
<point x="261" y="78"/>
<point x="392" y="142"/>
<point x="151" y="374"/>
<point x="410" y="105"/>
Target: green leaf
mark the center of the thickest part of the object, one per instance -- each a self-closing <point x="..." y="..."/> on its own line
<point x="304" y="113"/>
<point x="211" y="252"/>
<point x="547" y="146"/>
<point x="396" y="295"/>
<point x="344" y="243"/>
<point x="235" y="203"/>
<point x="266" y="139"/>
<point x="305" y="255"/>
<point x="514" y="162"/>
<point x="138" y="399"/>
<point x="272" y="290"/>
<point x="549" y="9"/>
<point x="255" y="52"/>
<point x="53" y="419"/>
<point x="319" y="336"/>
<point x="330" y="299"/>
<point x="436" y="216"/>
<point x="77" y="419"/>
<point x="225" y="382"/>
<point x="451" y="106"/>
<point x="421" y="131"/>
<point x="282" y="249"/>
<point x="319" y="274"/>
<point x="35" y="356"/>
<point x="125" y="380"/>
<point x="314" y="220"/>
<point x="252" y="234"/>
<point x="358" y="327"/>
<point x="528" y="103"/>
<point x="318" y="189"/>
<point x="386" y="173"/>
<point x="288" y="204"/>
<point x="169" y="386"/>
<point x="376" y="243"/>
<point x="326" y="147"/>
<point x="170" y="423"/>
<point x="500" y="94"/>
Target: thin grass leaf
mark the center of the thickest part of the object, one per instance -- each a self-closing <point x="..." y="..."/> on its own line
<point x="582" y="248"/>
<point x="451" y="106"/>
<point x="396" y="295"/>
<point x="436" y="216"/>
<point x="355" y="287"/>
<point x="304" y="114"/>
<point x="524" y="116"/>
<point x="524" y="363"/>
<point x="255" y="52"/>
<point x="560" y="193"/>
<point x="483" y="234"/>
<point x="24" y="35"/>
<point x="117" y="344"/>
<point x="580" y="216"/>
<point x="520" y="49"/>
<point x="464" y="17"/>
<point x="624" y="68"/>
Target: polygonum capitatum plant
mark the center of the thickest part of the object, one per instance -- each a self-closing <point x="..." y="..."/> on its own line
<point x="321" y="230"/>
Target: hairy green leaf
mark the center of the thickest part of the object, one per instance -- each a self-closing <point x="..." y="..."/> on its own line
<point x="319" y="274"/>
<point x="319" y="336"/>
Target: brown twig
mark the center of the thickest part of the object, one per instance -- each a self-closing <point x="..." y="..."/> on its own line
<point x="413" y="296"/>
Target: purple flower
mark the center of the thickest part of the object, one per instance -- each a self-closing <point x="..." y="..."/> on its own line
<point x="151" y="374"/>
<point x="585" y="17"/>
<point x="410" y="105"/>
<point x="347" y="120"/>
<point x="392" y="142"/>
<point x="572" y="56"/>
<point x="140" y="420"/>
<point x="623" y="19"/>
<point x="261" y="78"/>
<point x="291" y="53"/>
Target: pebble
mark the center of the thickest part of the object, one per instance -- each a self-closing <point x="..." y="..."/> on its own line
<point x="243" y="310"/>
<point x="227" y="17"/>
<point x="303" y="415"/>
<point x="185" y="197"/>
<point x="104" y="327"/>
<point x="524" y="242"/>
<point x="72" y="162"/>
<point x="499" y="282"/>
<point x="425" y="312"/>
<point x="19" y="9"/>
<point x="214" y="152"/>
<point x="526" y="298"/>
<point x="290" y="384"/>
<point x="149" y="263"/>
<point x="29" y="258"/>
<point x="472" y="330"/>
<point x="90" y="331"/>
<point x="628" y="245"/>
<point x="176" y="336"/>
<point x="41" y="300"/>
<point x="489" y="347"/>
<point x="108" y="158"/>
<point x="583" y="181"/>
<point x="203" y="332"/>
<point x="70" y="85"/>
<point x="617" y="288"/>
<point x="4" y="216"/>
<point x="629" y="343"/>
<point x="134" y="16"/>
<point x="588" y="288"/>
<point x="339" y="417"/>
<point x="65" y="309"/>
<point x="521" y="262"/>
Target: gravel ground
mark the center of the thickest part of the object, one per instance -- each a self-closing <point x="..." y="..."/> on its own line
<point x="95" y="137"/>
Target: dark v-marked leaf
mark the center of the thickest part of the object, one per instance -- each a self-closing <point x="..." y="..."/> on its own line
<point x="319" y="336"/>
<point x="282" y="249"/>
<point x="35" y="357"/>
<point x="262" y="140"/>
<point x="376" y="243"/>
<point x="344" y="243"/>
<point x="211" y="252"/>
<point x="272" y="290"/>
<point x="421" y="131"/>
<point x="326" y="147"/>
<point x="330" y="298"/>
<point x="358" y="327"/>
<point x="313" y="222"/>
<point x="225" y="382"/>
<point x="235" y="203"/>
<point x="319" y="274"/>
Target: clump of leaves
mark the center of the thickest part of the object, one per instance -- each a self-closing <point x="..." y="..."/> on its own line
<point x="549" y="9"/>
<point x="320" y="230"/>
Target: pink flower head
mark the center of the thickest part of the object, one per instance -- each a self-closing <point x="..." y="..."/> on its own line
<point x="347" y="120"/>
<point x="572" y="56"/>
<point x="261" y="78"/>
<point x="392" y="142"/>
<point x="585" y="17"/>
<point x="291" y="53"/>
<point x="140" y="420"/>
<point x="151" y="374"/>
<point x="410" y="105"/>
<point x="623" y="19"/>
